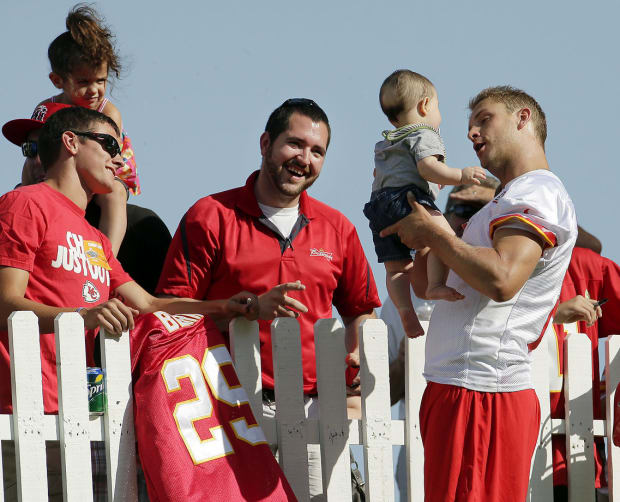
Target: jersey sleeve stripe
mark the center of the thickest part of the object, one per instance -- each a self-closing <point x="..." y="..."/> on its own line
<point x="548" y="237"/>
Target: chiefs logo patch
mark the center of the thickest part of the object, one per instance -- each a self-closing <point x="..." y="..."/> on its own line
<point x="90" y="293"/>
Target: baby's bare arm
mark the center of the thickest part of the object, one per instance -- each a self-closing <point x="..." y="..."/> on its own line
<point x="435" y="171"/>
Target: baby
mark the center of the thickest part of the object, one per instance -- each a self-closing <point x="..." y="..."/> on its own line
<point x="411" y="158"/>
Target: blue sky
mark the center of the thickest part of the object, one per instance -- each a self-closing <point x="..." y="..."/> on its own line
<point x="201" y="79"/>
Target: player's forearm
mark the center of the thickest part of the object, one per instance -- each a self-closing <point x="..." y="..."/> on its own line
<point x="435" y="171"/>
<point x="483" y="268"/>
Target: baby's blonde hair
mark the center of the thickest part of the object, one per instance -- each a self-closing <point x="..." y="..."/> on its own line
<point x="403" y="90"/>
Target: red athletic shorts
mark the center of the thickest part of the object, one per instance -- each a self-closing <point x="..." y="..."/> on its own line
<point x="477" y="445"/>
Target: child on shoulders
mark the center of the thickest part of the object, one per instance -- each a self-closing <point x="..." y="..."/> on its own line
<point x="82" y="59"/>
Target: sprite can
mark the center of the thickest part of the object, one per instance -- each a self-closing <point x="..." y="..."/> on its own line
<point x="97" y="401"/>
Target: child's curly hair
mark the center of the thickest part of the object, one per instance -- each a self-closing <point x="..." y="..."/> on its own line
<point x="87" y="41"/>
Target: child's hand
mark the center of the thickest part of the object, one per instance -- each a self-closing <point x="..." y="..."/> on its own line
<point x="472" y="175"/>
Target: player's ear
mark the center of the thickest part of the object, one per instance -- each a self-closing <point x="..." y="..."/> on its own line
<point x="56" y="80"/>
<point x="523" y="115"/>
<point x="423" y="106"/>
<point x="265" y="142"/>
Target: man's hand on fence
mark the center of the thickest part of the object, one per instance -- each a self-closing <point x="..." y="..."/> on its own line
<point x="576" y="309"/>
<point x="113" y="316"/>
<point x="245" y="304"/>
<point x="275" y="302"/>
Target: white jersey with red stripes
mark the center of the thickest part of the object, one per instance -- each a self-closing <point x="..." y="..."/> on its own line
<point x="484" y="345"/>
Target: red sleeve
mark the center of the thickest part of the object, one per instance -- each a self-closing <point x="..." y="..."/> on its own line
<point x="23" y="225"/>
<point x="193" y="253"/>
<point x="356" y="292"/>
<point x="609" y="324"/>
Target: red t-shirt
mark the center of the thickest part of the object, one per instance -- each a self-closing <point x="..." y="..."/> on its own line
<point x="197" y="437"/>
<point x="596" y="277"/>
<point x="70" y="265"/>
<point x="223" y="245"/>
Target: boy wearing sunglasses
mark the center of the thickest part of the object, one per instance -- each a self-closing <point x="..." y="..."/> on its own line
<point x="25" y="133"/>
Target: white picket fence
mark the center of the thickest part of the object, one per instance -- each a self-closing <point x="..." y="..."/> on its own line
<point x="73" y="427"/>
<point x="291" y="430"/>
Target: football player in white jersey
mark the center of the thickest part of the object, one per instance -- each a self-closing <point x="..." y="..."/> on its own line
<point x="479" y="415"/>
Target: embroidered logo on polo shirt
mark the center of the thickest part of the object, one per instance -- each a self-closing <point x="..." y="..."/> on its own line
<point x="328" y="255"/>
<point x="90" y="293"/>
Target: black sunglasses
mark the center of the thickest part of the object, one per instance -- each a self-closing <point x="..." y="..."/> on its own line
<point x="29" y="149"/>
<point x="299" y="101"/>
<point x="107" y="141"/>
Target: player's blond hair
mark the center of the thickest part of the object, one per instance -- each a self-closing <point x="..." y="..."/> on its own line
<point x="403" y="90"/>
<point x="515" y="99"/>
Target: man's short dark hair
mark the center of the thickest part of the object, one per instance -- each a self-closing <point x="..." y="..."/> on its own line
<point x="76" y="118"/>
<point x="279" y="118"/>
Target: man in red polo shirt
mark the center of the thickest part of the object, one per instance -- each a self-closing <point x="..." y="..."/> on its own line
<point x="271" y="232"/>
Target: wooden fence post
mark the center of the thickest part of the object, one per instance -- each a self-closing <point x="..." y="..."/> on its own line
<point x="28" y="417"/>
<point x="290" y="414"/>
<point x="118" y="420"/>
<point x="376" y="418"/>
<point x="579" y="417"/>
<point x="415" y="383"/>
<point x="245" y="352"/>
<point x="333" y="423"/>
<point x="73" y="416"/>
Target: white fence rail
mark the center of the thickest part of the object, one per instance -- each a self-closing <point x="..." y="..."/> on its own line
<point x="290" y="430"/>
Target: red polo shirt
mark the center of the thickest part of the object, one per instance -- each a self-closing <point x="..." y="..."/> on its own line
<point x="224" y="245"/>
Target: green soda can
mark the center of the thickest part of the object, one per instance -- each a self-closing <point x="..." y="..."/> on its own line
<point x="97" y="400"/>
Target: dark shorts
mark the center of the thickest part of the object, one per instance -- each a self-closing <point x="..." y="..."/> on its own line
<point x="386" y="207"/>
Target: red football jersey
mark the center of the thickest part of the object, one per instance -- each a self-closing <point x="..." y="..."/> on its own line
<point x="197" y="437"/>
<point x="596" y="277"/>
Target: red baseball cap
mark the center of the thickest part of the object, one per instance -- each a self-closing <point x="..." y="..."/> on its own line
<point x="16" y="131"/>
